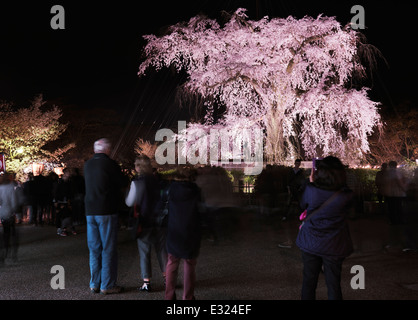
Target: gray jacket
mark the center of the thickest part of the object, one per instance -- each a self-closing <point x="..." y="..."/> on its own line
<point x="8" y="200"/>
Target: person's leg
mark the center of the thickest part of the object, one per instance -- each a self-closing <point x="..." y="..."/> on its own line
<point x="35" y="212"/>
<point x="311" y="269"/>
<point x="171" y="277"/>
<point x="144" y="243"/>
<point x="58" y="218"/>
<point x="332" y="272"/>
<point x="189" y="267"/>
<point x="161" y="248"/>
<point x="94" y="244"/>
<point x="108" y="227"/>
<point x="6" y="235"/>
<point x="409" y="226"/>
<point x="2" y="247"/>
<point x="393" y="207"/>
<point x="14" y="239"/>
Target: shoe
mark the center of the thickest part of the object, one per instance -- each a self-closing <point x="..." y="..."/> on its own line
<point x="94" y="290"/>
<point x="63" y="234"/>
<point x="286" y="245"/>
<point x="387" y="247"/>
<point x="145" y="287"/>
<point x="115" y="289"/>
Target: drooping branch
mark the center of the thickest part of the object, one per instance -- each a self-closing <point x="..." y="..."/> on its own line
<point x="276" y="72"/>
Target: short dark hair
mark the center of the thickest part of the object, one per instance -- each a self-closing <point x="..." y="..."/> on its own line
<point x="330" y="174"/>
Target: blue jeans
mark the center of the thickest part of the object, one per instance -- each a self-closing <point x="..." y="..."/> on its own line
<point x="102" y="244"/>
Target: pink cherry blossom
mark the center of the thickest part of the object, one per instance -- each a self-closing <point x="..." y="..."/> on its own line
<point x="288" y="76"/>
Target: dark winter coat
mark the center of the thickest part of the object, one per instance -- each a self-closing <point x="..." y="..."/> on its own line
<point x="63" y="191"/>
<point x="147" y="199"/>
<point x="326" y="233"/>
<point x="184" y="233"/>
<point x="104" y="182"/>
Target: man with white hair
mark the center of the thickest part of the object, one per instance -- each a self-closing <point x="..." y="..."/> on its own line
<point x="102" y="146"/>
<point x="104" y="181"/>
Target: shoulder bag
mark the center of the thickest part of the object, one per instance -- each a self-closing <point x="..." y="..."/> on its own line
<point x="304" y="218"/>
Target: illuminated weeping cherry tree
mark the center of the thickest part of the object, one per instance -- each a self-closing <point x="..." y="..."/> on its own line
<point x="290" y="77"/>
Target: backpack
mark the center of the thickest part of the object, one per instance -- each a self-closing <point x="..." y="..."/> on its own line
<point x="153" y="209"/>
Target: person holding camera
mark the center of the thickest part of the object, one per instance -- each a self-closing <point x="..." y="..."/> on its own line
<point x="324" y="237"/>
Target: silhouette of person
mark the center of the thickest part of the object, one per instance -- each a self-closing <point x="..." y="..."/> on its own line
<point x="104" y="182"/>
<point x="295" y="184"/>
<point x="324" y="237"/>
<point x="380" y="182"/>
<point x="8" y="203"/>
<point x="395" y="194"/>
<point x="144" y="194"/>
<point x="184" y="234"/>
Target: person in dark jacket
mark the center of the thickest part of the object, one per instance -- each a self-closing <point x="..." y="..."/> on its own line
<point x="63" y="209"/>
<point x="295" y="186"/>
<point x="184" y="234"/>
<point x="144" y="195"/>
<point x="324" y="237"/>
<point x="104" y="181"/>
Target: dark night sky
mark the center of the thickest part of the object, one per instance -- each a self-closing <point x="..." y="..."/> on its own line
<point x="94" y="61"/>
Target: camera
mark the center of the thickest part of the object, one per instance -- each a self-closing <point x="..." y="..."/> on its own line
<point x="316" y="162"/>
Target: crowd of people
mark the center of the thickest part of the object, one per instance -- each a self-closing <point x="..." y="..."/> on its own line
<point x="394" y="189"/>
<point x="40" y="200"/>
<point x="167" y="215"/>
<point x="175" y="240"/>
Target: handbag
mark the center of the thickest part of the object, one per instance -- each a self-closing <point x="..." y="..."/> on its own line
<point x="303" y="215"/>
<point x="304" y="218"/>
<point x="137" y="224"/>
<point x="162" y="216"/>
